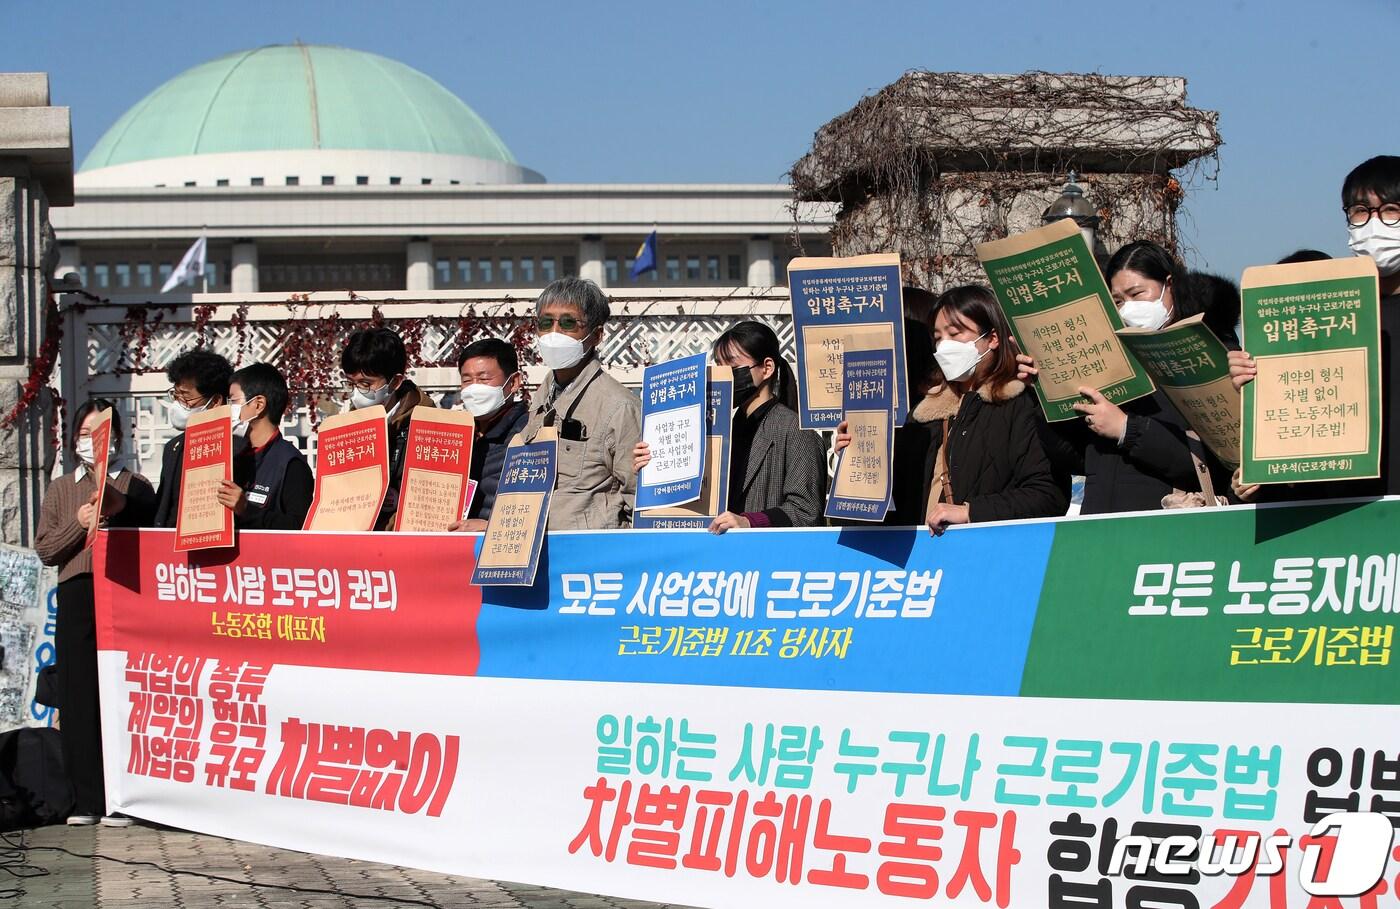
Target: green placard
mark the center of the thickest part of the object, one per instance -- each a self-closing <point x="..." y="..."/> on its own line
<point x="1188" y="362"/>
<point x="1061" y="313"/>
<point x="1313" y="412"/>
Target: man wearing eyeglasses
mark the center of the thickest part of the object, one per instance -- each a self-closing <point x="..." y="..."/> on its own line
<point x="375" y="363"/>
<point x="1371" y="204"/>
<point x="199" y="381"/>
<point x="598" y="420"/>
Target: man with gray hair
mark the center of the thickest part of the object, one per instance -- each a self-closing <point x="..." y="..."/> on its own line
<point x="598" y="420"/>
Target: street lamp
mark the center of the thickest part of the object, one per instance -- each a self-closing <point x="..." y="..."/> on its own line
<point x="1072" y="204"/>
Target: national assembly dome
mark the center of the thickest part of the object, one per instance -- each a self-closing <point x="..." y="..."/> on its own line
<point x="300" y="114"/>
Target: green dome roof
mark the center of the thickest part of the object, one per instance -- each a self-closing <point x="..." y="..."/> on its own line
<point x="298" y="96"/>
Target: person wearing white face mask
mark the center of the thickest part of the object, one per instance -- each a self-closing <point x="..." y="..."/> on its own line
<point x="1135" y="455"/>
<point x="272" y="485"/>
<point x="986" y="460"/>
<point x="491" y="381"/>
<point x="67" y="511"/>
<point x="597" y="419"/>
<point x="198" y="381"/>
<point x="777" y="469"/>
<point x="375" y="364"/>
<point x="1371" y="206"/>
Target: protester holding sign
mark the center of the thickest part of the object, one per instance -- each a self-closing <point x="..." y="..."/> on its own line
<point x="491" y="382"/>
<point x="198" y="381"/>
<point x="1134" y="455"/>
<point x="986" y="460"/>
<point x="64" y="519"/>
<point x="597" y="418"/>
<point x="375" y="364"/>
<point x="777" y="469"/>
<point x="272" y="483"/>
<point x="1371" y="203"/>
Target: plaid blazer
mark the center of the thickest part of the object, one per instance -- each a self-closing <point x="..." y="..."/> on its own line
<point x="786" y="469"/>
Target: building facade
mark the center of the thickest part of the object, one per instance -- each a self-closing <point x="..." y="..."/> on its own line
<point x="368" y="186"/>
<point x="322" y="168"/>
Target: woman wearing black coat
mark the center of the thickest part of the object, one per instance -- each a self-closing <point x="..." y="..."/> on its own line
<point x="1133" y="455"/>
<point x="985" y="459"/>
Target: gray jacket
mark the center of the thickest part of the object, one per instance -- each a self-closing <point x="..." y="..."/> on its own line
<point x="786" y="469"/>
<point x="596" y="487"/>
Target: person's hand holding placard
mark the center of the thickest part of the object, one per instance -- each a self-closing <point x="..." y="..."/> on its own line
<point x="1063" y="317"/>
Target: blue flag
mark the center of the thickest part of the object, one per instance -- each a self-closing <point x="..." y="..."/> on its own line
<point x="646" y="256"/>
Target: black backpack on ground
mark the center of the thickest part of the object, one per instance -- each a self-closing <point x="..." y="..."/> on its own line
<point x="34" y="790"/>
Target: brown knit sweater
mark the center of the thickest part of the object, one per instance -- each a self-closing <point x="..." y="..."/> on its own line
<point x="60" y="538"/>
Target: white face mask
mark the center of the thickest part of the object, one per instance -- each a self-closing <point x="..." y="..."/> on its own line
<point x="240" y="427"/>
<point x="360" y="399"/>
<point x="84" y="449"/>
<point x="1379" y="241"/>
<point x="1148" y="314"/>
<point x="480" y="400"/>
<point x="957" y="359"/>
<point x="180" y="414"/>
<point x="559" y="351"/>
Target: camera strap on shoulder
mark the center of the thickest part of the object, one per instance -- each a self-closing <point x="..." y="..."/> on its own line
<point x="573" y="405"/>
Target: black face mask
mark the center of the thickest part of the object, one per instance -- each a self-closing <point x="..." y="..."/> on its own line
<point x="743" y="385"/>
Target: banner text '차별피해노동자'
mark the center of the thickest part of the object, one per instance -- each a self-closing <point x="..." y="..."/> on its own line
<point x="859" y="716"/>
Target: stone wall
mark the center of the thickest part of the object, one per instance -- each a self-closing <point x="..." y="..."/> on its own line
<point x="36" y="170"/>
<point x="936" y="163"/>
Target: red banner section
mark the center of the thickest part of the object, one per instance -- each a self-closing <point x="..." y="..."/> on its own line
<point x="383" y="602"/>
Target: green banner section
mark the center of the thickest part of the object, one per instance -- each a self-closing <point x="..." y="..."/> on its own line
<point x="1289" y="604"/>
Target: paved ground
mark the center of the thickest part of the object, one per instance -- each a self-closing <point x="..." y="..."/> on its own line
<point x="73" y="882"/>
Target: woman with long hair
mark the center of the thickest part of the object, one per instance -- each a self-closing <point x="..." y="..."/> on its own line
<point x="777" y="470"/>
<point x="68" y="510"/>
<point x="985" y="460"/>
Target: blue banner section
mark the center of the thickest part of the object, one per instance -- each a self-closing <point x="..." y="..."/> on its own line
<point x="673" y="424"/>
<point x="856" y="609"/>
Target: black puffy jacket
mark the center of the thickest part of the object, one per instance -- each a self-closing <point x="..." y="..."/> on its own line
<point x="1154" y="459"/>
<point x="997" y="463"/>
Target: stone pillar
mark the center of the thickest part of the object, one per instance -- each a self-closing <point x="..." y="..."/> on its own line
<point x="420" y="264"/>
<point x="243" y="268"/>
<point x="761" y="272"/>
<point x="590" y="260"/>
<point x="70" y="258"/>
<point x="36" y="171"/>
<point x="935" y="163"/>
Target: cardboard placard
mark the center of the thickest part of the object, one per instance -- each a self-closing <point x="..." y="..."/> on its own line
<point x="201" y="522"/>
<point x="714" y="488"/>
<point x="1063" y="316"/>
<point x="510" y="549"/>
<point x="1188" y="363"/>
<point x="1313" y="412"/>
<point x="437" y="461"/>
<point x="861" y="488"/>
<point x="841" y="304"/>
<point x="352" y="471"/>
<point x="674" y="401"/>
<point x="101" y="458"/>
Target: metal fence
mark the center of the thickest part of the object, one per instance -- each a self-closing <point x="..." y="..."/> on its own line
<point x="119" y="350"/>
